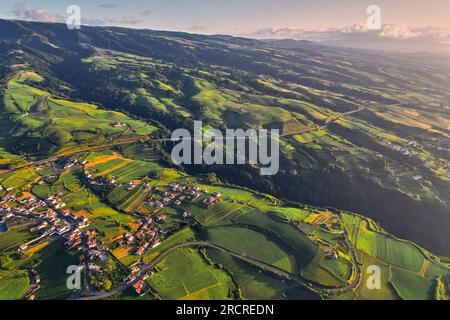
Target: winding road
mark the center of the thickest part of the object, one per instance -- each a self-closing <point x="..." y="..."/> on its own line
<point x="329" y="121"/>
<point x="145" y="268"/>
<point x="75" y="152"/>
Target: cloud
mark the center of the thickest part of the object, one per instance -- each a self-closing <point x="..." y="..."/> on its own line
<point x="20" y="12"/>
<point x="195" y="27"/>
<point x="128" y="20"/>
<point x="146" y="13"/>
<point x="109" y="5"/>
<point x="391" y="31"/>
<point x="390" y="37"/>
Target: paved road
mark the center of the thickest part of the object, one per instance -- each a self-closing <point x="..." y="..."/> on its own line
<point x="330" y="121"/>
<point x="137" y="139"/>
<point x="75" y="152"/>
<point x="87" y="278"/>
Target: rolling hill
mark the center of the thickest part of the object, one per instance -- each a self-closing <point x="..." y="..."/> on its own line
<point x="365" y="132"/>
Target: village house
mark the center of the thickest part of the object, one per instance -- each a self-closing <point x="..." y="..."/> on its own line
<point x="118" y="124"/>
<point x="139" y="287"/>
<point x="140" y="250"/>
<point x="209" y="201"/>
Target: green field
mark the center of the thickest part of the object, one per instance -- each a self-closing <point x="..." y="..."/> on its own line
<point x="13" y="284"/>
<point x="390" y="250"/>
<point x="255" y="284"/>
<point x="52" y="267"/>
<point x="412" y="287"/>
<point x="55" y="122"/>
<point x="181" y="236"/>
<point x="203" y="281"/>
<point x="251" y="244"/>
<point x="16" y="236"/>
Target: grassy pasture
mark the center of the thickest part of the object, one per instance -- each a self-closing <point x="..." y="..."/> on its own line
<point x="251" y="244"/>
<point x="387" y="292"/>
<point x="412" y="287"/>
<point x="16" y="236"/>
<point x="290" y="214"/>
<point x="185" y="275"/>
<point x="19" y="180"/>
<point x="255" y="284"/>
<point x="131" y="199"/>
<point x="181" y="236"/>
<point x="220" y="213"/>
<point x="53" y="263"/>
<point x="13" y="284"/>
<point x="127" y="200"/>
<point x="34" y="113"/>
<point x="124" y="169"/>
<point x="316" y="272"/>
<point x="303" y="248"/>
<point x="261" y="202"/>
<point x="340" y="269"/>
<point x="392" y="251"/>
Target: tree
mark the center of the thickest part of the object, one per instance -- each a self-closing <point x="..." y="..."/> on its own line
<point x="58" y="136"/>
<point x="107" y="284"/>
<point x="212" y="178"/>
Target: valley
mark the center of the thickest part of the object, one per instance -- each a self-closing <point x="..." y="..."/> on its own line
<point x="87" y="180"/>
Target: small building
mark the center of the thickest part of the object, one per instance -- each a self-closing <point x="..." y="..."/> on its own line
<point x="118" y="124"/>
<point x="140" y="251"/>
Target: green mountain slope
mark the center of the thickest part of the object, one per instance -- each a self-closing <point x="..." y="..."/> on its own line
<point x="361" y="131"/>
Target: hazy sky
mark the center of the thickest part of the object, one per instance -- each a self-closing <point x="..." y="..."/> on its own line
<point x="233" y="16"/>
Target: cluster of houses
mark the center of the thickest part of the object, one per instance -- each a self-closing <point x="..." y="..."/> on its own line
<point x="31" y="207"/>
<point x="405" y="149"/>
<point x="99" y="181"/>
<point x="331" y="254"/>
<point x="54" y="219"/>
<point x="177" y="194"/>
<point x="35" y="284"/>
<point x="139" y="286"/>
<point x="73" y="239"/>
<point x="94" y="248"/>
<point x="55" y="200"/>
<point x="57" y="220"/>
<point x="72" y="163"/>
<point x="118" y="124"/>
<point x="138" y="183"/>
<point x="112" y="181"/>
<point x="8" y="189"/>
<point x="79" y="221"/>
<point x="214" y="198"/>
<point x="149" y="233"/>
